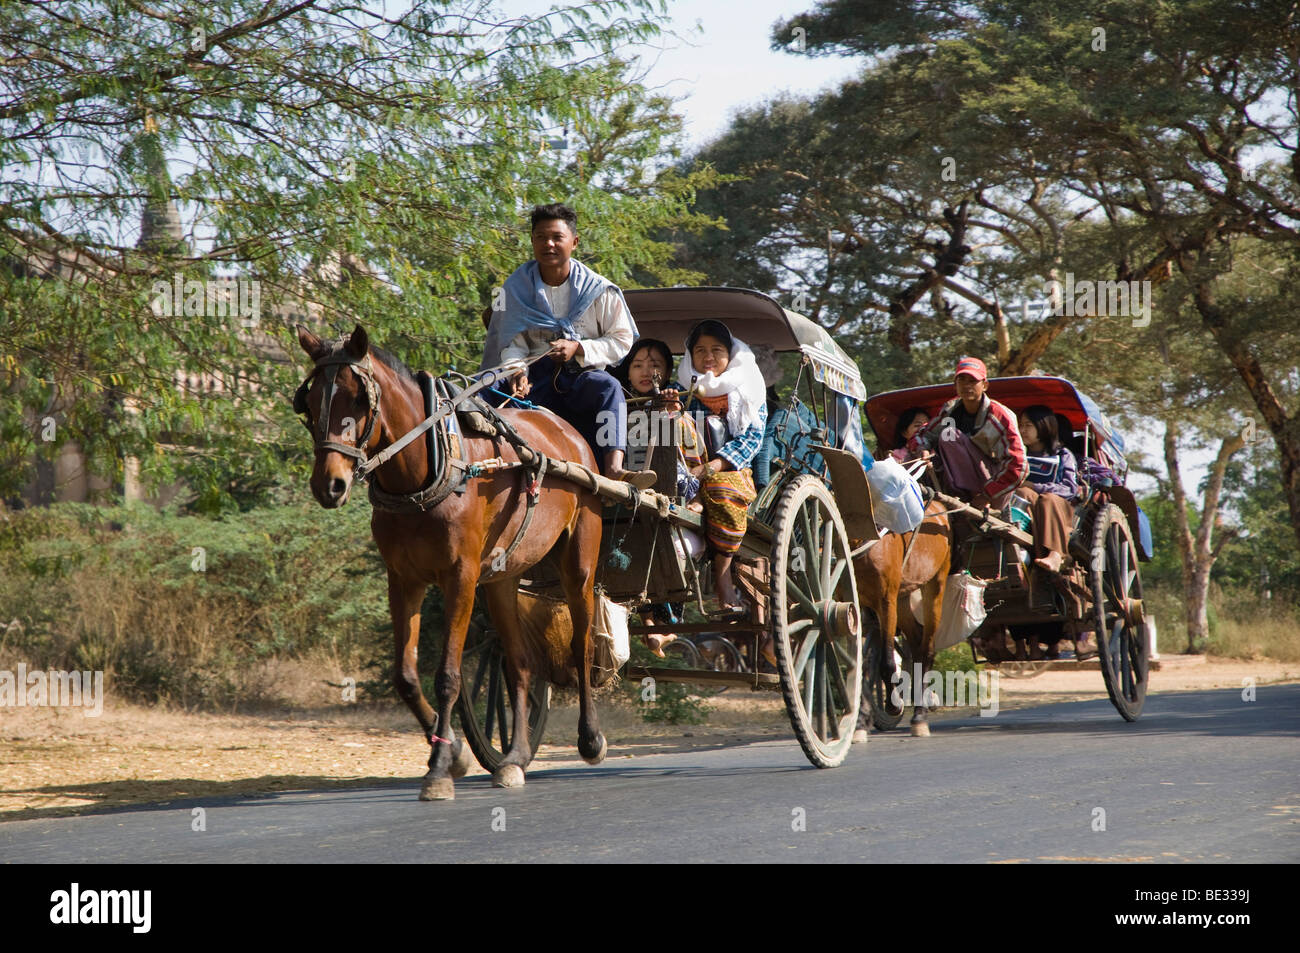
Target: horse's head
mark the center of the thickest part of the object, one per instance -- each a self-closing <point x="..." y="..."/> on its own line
<point x="340" y="401"/>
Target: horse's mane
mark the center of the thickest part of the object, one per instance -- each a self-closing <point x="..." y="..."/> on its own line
<point x="394" y="362"/>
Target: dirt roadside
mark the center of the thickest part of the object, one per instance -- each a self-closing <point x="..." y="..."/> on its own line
<point x="56" y="762"/>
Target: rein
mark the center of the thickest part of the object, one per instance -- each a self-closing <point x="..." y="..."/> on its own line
<point x="362" y="465"/>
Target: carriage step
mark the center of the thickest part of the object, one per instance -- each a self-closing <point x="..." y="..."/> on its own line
<point x="753" y="680"/>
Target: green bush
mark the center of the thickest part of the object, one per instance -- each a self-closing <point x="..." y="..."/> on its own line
<point x="179" y="608"/>
<point x="672" y="703"/>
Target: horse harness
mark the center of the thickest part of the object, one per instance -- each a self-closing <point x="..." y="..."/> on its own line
<point x="449" y="472"/>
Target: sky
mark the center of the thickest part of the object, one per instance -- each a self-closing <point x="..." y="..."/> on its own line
<point x="728" y="64"/>
<point x="719" y="59"/>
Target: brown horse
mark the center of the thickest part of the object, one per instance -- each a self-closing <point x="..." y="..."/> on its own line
<point x="458" y="543"/>
<point x="884" y="577"/>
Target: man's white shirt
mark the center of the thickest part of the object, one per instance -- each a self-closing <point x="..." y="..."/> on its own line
<point x="604" y="329"/>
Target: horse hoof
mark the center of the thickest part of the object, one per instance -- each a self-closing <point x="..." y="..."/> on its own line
<point x="462" y="761"/>
<point x="438" y="789"/>
<point x="599" y="754"/>
<point x="920" y="730"/>
<point x="508" y="776"/>
<point x="860" y="736"/>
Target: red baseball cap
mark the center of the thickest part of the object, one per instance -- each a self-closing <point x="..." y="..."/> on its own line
<point x="972" y="366"/>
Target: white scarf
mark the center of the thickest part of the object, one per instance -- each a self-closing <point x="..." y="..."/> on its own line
<point x="742" y="382"/>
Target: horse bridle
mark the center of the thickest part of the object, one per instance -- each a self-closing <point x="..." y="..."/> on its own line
<point x="329" y="365"/>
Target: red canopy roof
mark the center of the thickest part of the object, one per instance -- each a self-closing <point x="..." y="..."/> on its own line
<point x="1017" y="393"/>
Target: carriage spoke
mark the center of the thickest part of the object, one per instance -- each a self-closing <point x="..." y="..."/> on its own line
<point x="494" y="679"/>
<point x="828" y="558"/>
<point x="836" y="575"/>
<point x="809" y="679"/>
<point x="1122" y="648"/>
<point x="833" y="664"/>
<point x="501" y="710"/>
<point x="794" y="628"/>
<point x="809" y="537"/>
<point x="806" y="647"/>
<point x="801" y="597"/>
<point x="479" y="673"/>
<point x="823" y="693"/>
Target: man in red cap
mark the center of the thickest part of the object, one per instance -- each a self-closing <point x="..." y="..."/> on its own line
<point x="977" y="439"/>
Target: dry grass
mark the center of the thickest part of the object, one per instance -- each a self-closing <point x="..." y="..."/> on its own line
<point x="1274" y="636"/>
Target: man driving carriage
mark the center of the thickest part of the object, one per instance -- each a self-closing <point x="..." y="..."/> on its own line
<point x="977" y="439"/>
<point x="576" y="321"/>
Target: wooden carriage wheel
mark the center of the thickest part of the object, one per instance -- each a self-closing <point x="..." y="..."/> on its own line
<point x="1118" y="612"/>
<point x="486" y="713"/>
<point x="815" y="623"/>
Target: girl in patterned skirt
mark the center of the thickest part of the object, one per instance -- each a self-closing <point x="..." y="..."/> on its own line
<point x="721" y="373"/>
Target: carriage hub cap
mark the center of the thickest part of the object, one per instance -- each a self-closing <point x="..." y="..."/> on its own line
<point x="841" y="619"/>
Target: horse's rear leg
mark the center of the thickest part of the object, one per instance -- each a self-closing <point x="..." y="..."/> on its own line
<point x="931" y="606"/>
<point x="404" y="601"/>
<point x="503" y="605"/>
<point x="458" y="598"/>
<point x="577" y="568"/>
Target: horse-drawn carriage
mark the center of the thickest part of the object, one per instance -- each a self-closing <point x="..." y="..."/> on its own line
<point x="452" y="480"/>
<point x="1030" y="611"/>
<point x="796" y="534"/>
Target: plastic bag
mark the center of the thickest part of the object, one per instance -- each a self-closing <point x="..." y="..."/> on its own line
<point x="895" y="496"/>
<point x="963" y="610"/>
<point x="610" y="632"/>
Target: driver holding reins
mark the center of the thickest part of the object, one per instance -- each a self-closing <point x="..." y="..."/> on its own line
<point x="557" y="307"/>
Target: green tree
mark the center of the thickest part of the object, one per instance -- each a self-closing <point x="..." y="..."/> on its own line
<point x="353" y="161"/>
<point x="1173" y="127"/>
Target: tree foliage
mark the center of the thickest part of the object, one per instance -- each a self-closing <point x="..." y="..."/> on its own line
<point x="988" y="149"/>
<point x="356" y="161"/>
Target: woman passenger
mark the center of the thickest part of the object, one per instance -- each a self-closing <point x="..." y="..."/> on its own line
<point x="910" y="422"/>
<point x="1051" y="487"/>
<point x="721" y="372"/>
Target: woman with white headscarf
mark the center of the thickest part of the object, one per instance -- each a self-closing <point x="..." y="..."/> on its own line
<point x="720" y="372"/>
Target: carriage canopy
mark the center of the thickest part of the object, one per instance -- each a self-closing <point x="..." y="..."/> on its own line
<point x="669" y="314"/>
<point x="1017" y="393"/>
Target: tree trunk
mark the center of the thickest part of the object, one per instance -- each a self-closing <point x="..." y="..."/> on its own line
<point x="1198" y="552"/>
<point x="1285" y="428"/>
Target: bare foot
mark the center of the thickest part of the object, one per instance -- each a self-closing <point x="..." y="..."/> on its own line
<point x="656" y="642"/>
<point x="1051" y="562"/>
<point x="641" y="479"/>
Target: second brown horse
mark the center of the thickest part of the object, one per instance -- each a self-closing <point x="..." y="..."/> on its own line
<point x="888" y="571"/>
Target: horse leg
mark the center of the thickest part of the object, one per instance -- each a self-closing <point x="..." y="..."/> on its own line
<point x="931" y="607"/>
<point x="576" y="572"/>
<point x="458" y="596"/>
<point x="404" y="601"/>
<point x="887" y="613"/>
<point x="503" y="605"/>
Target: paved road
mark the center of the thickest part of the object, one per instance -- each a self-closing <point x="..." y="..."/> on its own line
<point x="1202" y="776"/>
